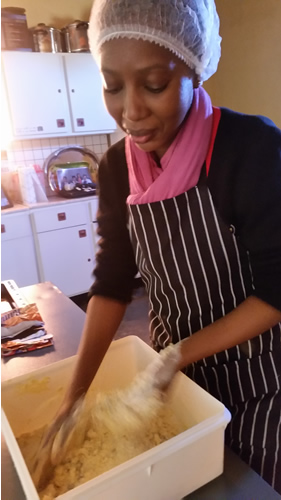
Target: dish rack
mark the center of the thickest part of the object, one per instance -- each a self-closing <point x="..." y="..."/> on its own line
<point x="69" y="155"/>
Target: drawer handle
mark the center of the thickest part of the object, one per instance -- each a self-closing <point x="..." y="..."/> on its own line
<point x="61" y="216"/>
<point x="82" y="233"/>
<point x="3" y="229"/>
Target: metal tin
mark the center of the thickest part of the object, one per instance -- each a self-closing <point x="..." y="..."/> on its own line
<point x="47" y="38"/>
<point x="76" y="37"/>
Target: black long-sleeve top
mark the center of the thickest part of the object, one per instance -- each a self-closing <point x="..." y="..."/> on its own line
<point x="245" y="183"/>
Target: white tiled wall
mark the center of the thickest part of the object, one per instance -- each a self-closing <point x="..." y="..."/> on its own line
<point x="35" y="151"/>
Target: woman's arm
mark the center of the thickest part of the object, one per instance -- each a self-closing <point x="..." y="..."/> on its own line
<point x="251" y="318"/>
<point x="103" y="318"/>
<point x="102" y="321"/>
<point x="114" y="272"/>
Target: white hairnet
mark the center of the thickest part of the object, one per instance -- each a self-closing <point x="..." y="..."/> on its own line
<point x="188" y="28"/>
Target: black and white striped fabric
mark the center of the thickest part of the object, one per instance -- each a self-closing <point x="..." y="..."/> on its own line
<point x="196" y="271"/>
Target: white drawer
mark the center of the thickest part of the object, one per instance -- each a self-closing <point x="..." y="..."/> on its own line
<point x="94" y="208"/>
<point x="15" y="226"/>
<point x="60" y="216"/>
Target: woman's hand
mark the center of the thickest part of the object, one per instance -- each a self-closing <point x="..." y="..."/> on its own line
<point x="62" y="431"/>
<point x="56" y="441"/>
<point x="161" y="372"/>
<point x="251" y="318"/>
<point x="102" y="320"/>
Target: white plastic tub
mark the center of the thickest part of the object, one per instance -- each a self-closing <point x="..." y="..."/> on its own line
<point x="168" y="471"/>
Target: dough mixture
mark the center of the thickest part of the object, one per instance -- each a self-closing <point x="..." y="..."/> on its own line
<point x="115" y="428"/>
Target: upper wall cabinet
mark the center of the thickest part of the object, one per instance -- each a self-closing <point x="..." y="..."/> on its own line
<point x="84" y="87"/>
<point x="52" y="95"/>
<point x="37" y="96"/>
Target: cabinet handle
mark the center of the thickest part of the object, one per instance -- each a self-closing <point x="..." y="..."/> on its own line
<point x="60" y="123"/>
<point x="3" y="229"/>
<point x="61" y="216"/>
<point x="80" y="122"/>
<point x="59" y="91"/>
<point x="82" y="233"/>
<point x="72" y="90"/>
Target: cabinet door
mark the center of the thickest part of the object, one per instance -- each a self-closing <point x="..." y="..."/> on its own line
<point x="18" y="261"/>
<point x="94" y="205"/>
<point x="37" y="94"/>
<point x="67" y="258"/>
<point x="18" y="257"/>
<point x="84" y="84"/>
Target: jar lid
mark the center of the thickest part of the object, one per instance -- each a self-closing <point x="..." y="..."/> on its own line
<point x="77" y="23"/>
<point x="44" y="27"/>
<point x="13" y="10"/>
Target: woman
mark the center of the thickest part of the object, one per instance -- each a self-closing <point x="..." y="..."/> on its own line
<point x="192" y="200"/>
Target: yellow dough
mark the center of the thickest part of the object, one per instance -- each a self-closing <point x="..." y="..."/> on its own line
<point x="116" y="427"/>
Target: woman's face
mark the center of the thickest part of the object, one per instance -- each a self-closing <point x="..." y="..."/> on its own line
<point x="147" y="90"/>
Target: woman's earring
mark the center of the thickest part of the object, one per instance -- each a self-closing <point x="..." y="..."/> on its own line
<point x="198" y="83"/>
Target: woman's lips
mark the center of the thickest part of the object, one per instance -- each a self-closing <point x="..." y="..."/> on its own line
<point x="141" y="136"/>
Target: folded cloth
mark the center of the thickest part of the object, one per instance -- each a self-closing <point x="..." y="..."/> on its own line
<point x="20" y="346"/>
<point x="14" y="331"/>
<point x="22" y="334"/>
<point x="23" y="331"/>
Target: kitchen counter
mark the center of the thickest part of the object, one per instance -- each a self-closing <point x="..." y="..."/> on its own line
<point x="52" y="201"/>
<point x="17" y="207"/>
<point x="65" y="320"/>
<point x="57" y="200"/>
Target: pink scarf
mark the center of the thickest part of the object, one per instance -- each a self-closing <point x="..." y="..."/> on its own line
<point x="182" y="162"/>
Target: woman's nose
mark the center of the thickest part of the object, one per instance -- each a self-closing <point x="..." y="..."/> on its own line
<point x="134" y="108"/>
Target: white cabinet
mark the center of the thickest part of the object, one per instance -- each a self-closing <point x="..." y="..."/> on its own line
<point x="50" y="95"/>
<point x="84" y="86"/>
<point x="94" y="209"/>
<point x="67" y="259"/>
<point x="65" y="246"/>
<point x="54" y="243"/>
<point x="18" y="258"/>
<point x="37" y="96"/>
<point x="94" y="225"/>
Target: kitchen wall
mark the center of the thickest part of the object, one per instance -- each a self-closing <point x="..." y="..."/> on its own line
<point x="249" y="73"/>
<point x="56" y="13"/>
<point x="248" y="77"/>
<point x="34" y="152"/>
<point x="28" y="152"/>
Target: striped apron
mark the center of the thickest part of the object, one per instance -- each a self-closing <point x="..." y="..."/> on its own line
<point x="196" y="271"/>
